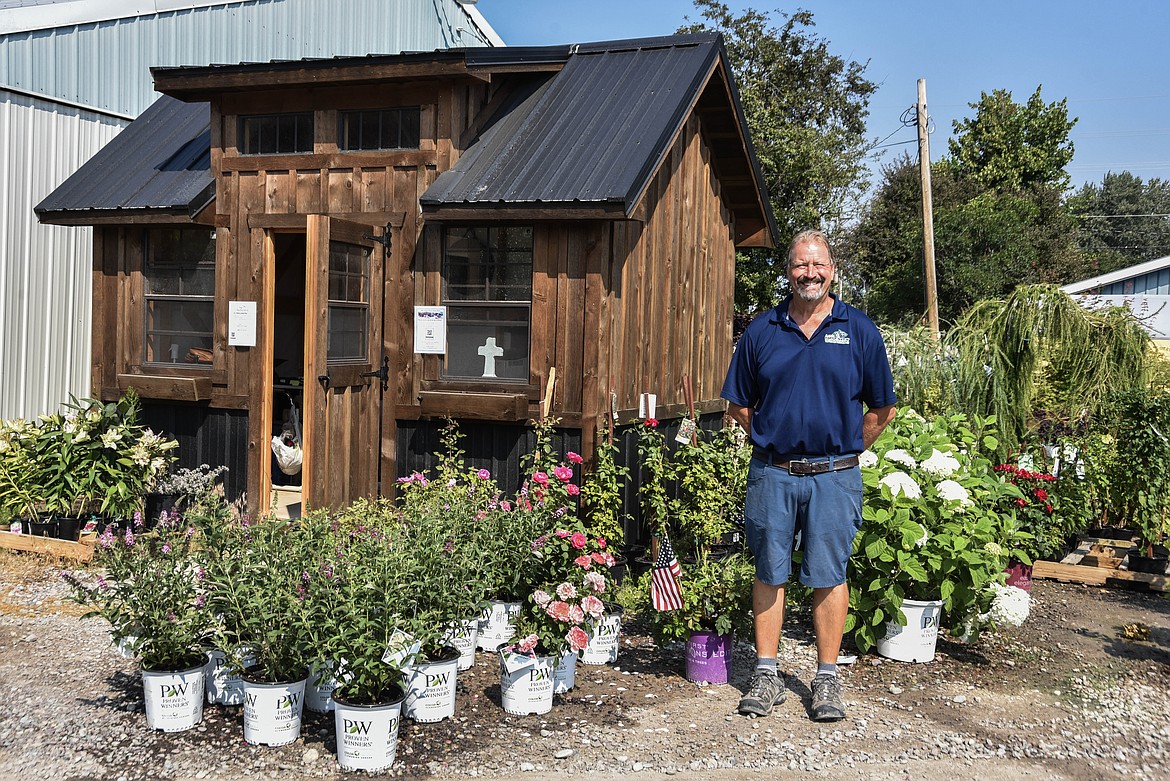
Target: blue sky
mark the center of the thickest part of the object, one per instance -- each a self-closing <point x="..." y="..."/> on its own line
<point x="1107" y="58"/>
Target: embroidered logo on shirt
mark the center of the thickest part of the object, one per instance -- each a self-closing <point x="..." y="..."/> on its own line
<point x="837" y="337"/>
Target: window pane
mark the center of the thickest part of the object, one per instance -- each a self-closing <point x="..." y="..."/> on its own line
<point x="468" y="331"/>
<point x="178" y="331"/>
<point x="347" y="333"/>
<point x="179" y="287"/>
<point x="393" y="128"/>
<point x="268" y="134"/>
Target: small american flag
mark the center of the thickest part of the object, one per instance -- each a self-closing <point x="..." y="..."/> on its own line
<point x="665" y="593"/>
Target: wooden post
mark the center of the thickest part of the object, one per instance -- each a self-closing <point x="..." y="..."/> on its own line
<point x="927" y="211"/>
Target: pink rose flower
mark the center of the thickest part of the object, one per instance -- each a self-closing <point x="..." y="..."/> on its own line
<point x="574" y="458"/>
<point x="598" y="557"/>
<point x="563" y="473"/>
<point x="566" y="591"/>
<point x="601" y="543"/>
<point x="595" y="581"/>
<point x="528" y="644"/>
<point x="562" y="533"/>
<point x="579" y="540"/>
<point x="577" y="639"/>
<point x="558" y="610"/>
<point x="593" y="606"/>
<point x="483" y="474"/>
<point x="572" y="490"/>
<point x="576" y="614"/>
<point x="541" y="598"/>
<point x="610" y="560"/>
<point x="540" y="478"/>
<point x="584" y="562"/>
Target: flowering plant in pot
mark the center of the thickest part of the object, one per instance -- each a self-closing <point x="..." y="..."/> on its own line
<point x="152" y="593"/>
<point x="1037" y="509"/>
<point x="933" y="525"/>
<point x="716" y="596"/>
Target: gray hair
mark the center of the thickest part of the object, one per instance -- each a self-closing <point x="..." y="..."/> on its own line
<point x="807" y="236"/>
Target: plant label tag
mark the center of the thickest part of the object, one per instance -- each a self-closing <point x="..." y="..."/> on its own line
<point x="401" y="648"/>
<point x="15" y="527"/>
<point x="514" y="663"/>
<point x="686" y="430"/>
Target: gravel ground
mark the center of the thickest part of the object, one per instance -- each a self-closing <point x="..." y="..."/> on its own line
<point x="1066" y="696"/>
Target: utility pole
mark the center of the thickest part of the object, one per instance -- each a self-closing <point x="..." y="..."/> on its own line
<point x="927" y="211"/>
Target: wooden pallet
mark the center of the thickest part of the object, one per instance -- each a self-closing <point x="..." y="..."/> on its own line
<point x="81" y="551"/>
<point x="1100" y="563"/>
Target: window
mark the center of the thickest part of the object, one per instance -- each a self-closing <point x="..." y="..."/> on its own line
<point x="487" y="289"/>
<point x="276" y="134"/>
<point x="179" y="293"/>
<point x="391" y="128"/>
<point x="349" y="302"/>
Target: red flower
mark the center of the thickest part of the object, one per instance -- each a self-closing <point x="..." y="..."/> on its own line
<point x="572" y="490"/>
<point x="563" y="473"/>
<point x="1022" y="502"/>
<point x="1041" y="494"/>
<point x="652" y="422"/>
<point x="1048" y="508"/>
<point x="579" y="540"/>
<point x="574" y="458"/>
<point x="601" y="542"/>
<point x="540" y="478"/>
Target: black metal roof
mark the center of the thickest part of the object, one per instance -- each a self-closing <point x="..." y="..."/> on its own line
<point x="160" y="162"/>
<point x="593" y="132"/>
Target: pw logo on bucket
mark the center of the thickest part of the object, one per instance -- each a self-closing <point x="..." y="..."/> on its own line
<point x="538" y="674"/>
<point x="288" y="701"/>
<point x="169" y="690"/>
<point x="437" y="680"/>
<point x="353" y="727"/>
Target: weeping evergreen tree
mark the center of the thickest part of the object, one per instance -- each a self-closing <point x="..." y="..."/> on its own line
<point x="1041" y="349"/>
<point x="1038" y="349"/>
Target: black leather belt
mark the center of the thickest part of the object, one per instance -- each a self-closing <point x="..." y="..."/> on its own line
<point x="805" y="467"/>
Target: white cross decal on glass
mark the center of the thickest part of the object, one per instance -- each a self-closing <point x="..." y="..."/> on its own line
<point x="490" y="352"/>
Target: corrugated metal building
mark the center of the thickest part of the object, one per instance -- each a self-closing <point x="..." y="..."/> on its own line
<point x="73" y="74"/>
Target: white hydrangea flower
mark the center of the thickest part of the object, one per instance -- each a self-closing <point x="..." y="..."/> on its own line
<point x="921" y="541"/>
<point x="1011" y="605"/>
<point x="940" y="464"/>
<point x="903" y="484"/>
<point x="899" y="456"/>
<point x="868" y="458"/>
<point x="953" y="492"/>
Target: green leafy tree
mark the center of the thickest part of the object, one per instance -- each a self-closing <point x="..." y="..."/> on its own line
<point x="1000" y="219"/>
<point x="806" y="109"/>
<point x="1118" y="221"/>
<point x="1014" y="146"/>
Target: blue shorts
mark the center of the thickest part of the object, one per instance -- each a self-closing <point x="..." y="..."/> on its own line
<point x="824" y="508"/>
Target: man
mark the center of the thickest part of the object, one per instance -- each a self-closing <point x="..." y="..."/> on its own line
<point x="797" y="384"/>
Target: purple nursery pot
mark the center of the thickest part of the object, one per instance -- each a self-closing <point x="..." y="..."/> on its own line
<point x="1020" y="576"/>
<point x="709" y="657"/>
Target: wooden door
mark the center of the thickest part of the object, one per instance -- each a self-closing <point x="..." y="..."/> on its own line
<point x="344" y="277"/>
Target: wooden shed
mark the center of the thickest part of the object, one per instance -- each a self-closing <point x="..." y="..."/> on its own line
<point x="380" y="242"/>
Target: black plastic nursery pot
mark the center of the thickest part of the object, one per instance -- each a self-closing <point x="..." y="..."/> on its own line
<point x="69" y="527"/>
<point x="1152" y="565"/>
<point x="41" y="526"/>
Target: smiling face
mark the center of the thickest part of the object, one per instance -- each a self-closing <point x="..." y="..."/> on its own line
<point x="810" y="271"/>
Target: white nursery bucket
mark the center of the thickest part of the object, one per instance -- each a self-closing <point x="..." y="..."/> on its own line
<point x="367" y="735"/>
<point x="430" y="689"/>
<point x="323" y="679"/>
<point x="497" y="628"/>
<point x="174" y="698"/>
<point x="565" y="674"/>
<point x="464" y="636"/>
<point x="603" y="638"/>
<point x="272" y="711"/>
<point x="223" y="685"/>
<point x="916" y="641"/>
<point x="526" y="683"/>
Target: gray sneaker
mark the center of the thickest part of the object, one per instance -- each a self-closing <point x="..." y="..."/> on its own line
<point x="764" y="692"/>
<point x="826" y="699"/>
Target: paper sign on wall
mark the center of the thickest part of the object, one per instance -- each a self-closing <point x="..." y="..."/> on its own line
<point x="430" y="329"/>
<point x="242" y="323"/>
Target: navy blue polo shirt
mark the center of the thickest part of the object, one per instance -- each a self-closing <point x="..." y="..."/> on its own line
<point x="807" y="394"/>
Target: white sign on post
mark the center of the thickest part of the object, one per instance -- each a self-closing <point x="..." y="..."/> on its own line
<point x="430" y="329"/>
<point x="242" y="323"/>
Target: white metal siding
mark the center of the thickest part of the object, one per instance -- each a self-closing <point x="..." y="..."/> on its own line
<point x="45" y="269"/>
<point x="106" y="65"/>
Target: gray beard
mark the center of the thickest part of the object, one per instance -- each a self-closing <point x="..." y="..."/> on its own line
<point x="808" y="296"/>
